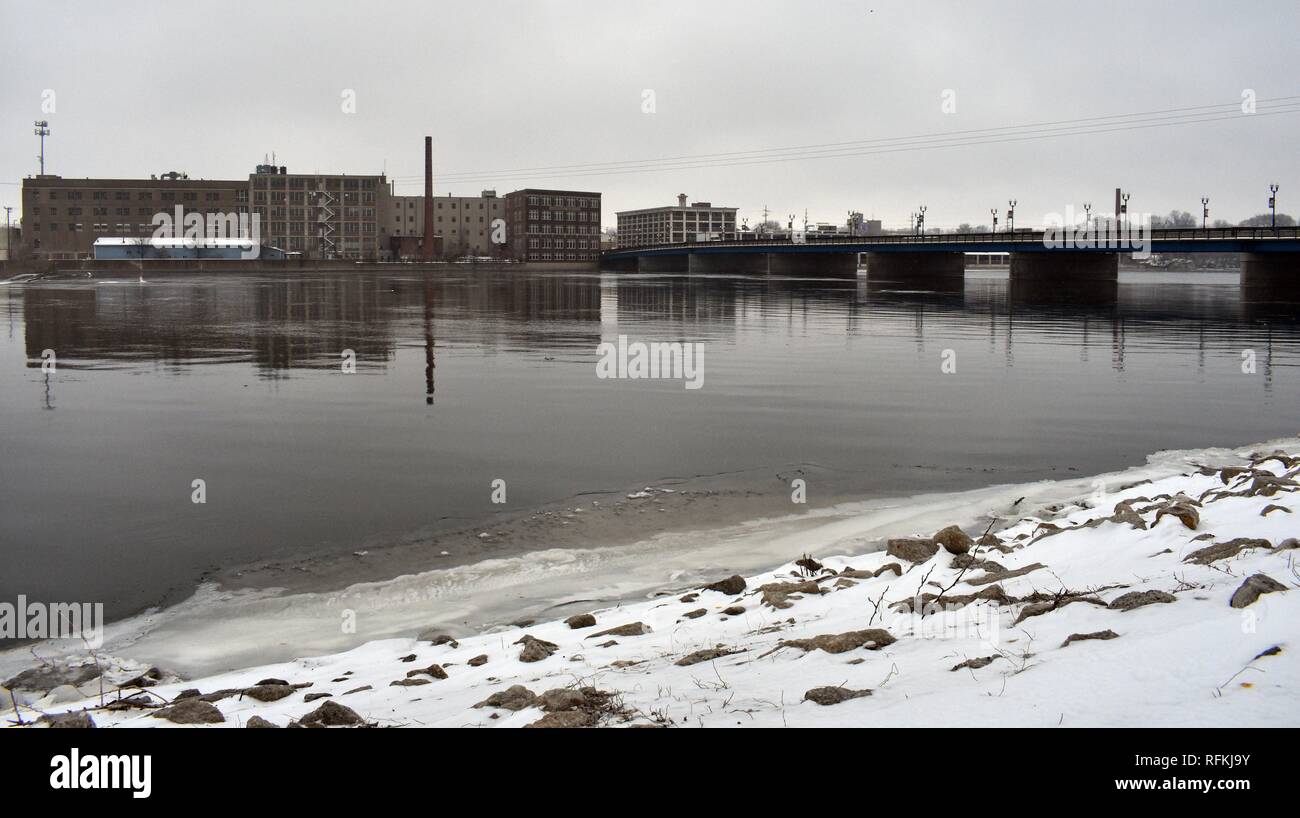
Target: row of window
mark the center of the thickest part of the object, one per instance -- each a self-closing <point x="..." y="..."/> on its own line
<point x="142" y="195"/>
<point x="563" y="201"/>
<point x="563" y="216"/>
<point x="560" y="244"/>
<point x="570" y="229"/>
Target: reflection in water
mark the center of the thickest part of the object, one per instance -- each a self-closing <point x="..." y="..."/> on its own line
<point x="236" y="380"/>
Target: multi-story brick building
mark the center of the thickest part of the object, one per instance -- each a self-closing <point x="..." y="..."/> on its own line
<point x="462" y="223"/>
<point x="319" y="215"/>
<point x="699" y="221"/>
<point x="63" y="217"/>
<point x="553" y="225"/>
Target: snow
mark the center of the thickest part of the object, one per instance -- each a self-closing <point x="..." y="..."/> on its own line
<point x="1194" y="662"/>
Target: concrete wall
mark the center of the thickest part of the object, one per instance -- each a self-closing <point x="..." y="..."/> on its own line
<point x="735" y="263"/>
<point x="904" y="267"/>
<point x="1065" y="266"/>
<point x="826" y="265"/>
<point x="1272" y="270"/>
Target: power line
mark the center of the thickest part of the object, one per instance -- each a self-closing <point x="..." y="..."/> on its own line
<point x="979" y="136"/>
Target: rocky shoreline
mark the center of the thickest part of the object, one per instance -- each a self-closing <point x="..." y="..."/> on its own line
<point x="1168" y="601"/>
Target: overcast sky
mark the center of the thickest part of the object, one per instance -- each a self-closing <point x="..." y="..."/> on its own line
<point x="210" y="88"/>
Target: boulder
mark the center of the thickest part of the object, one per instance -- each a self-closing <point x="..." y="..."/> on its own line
<point x="707" y="655"/>
<point x="257" y="722"/>
<point x="630" y="629"/>
<point x="481" y="659"/>
<point x="515" y="697"/>
<point x="268" y="692"/>
<point x="79" y="720"/>
<point x="731" y="586"/>
<point x="1078" y="637"/>
<point x="435" y="670"/>
<point x="438" y="637"/>
<point x="734" y="610"/>
<point x="833" y="695"/>
<point x="911" y="549"/>
<point x="562" y="698"/>
<point x="954" y="540"/>
<point x="872" y="638"/>
<point x="1253" y="588"/>
<point x="581" y="621"/>
<point x="311" y="697"/>
<point x="777" y="594"/>
<point x="566" y="718"/>
<point x="695" y="614"/>
<point x="332" y="714"/>
<point x="190" y="711"/>
<point x="535" y="650"/>
<point x="1137" y="599"/>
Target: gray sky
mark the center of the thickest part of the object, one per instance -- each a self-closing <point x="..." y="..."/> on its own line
<point x="209" y="88"/>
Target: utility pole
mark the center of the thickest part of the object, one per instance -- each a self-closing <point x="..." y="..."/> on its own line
<point x="42" y="130"/>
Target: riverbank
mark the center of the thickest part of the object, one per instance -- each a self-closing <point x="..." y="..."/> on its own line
<point x="1160" y="595"/>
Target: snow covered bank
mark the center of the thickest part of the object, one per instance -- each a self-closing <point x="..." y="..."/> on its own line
<point x="1160" y="597"/>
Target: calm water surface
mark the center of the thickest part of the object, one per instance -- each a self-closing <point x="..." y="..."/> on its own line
<point x="462" y="379"/>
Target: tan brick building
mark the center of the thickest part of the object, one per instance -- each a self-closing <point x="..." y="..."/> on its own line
<point x="462" y="223"/>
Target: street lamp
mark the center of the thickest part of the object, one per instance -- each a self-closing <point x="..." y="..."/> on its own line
<point x="1011" y="215"/>
<point x="1205" y="211"/>
<point x="1123" y="207"/>
<point x="42" y="130"/>
<point x="920" y="220"/>
<point x="1272" y="203"/>
<point x="994" y="211"/>
<point x="1087" y="214"/>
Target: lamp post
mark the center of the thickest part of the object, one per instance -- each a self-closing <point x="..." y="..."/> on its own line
<point x="1011" y="215"/>
<point x="1087" y="215"/>
<point x="1205" y="211"/>
<point x="994" y="211"/>
<point x="1272" y="204"/>
<point x="42" y="130"/>
<point x="1123" y="207"/>
<point x="920" y="220"/>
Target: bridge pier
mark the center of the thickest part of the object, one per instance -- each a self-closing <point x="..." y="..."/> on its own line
<point x="1064" y="276"/>
<point x="679" y="263"/>
<point x="1276" y="271"/>
<point x="754" y="263"/>
<point x="822" y="265"/>
<point x="929" y="270"/>
<point x="627" y="264"/>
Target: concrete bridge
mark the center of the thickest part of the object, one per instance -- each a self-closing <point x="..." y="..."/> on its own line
<point x="1271" y="255"/>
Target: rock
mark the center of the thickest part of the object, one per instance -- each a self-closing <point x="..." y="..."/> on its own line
<point x="630" y="629"/>
<point x="998" y="576"/>
<point x="218" y="695"/>
<point x="833" y="695"/>
<point x="1128" y="515"/>
<point x="1182" y="508"/>
<point x="6" y="699"/>
<point x="889" y="566"/>
<point x="1137" y="599"/>
<point x="62" y="695"/>
<point x="911" y="549"/>
<point x="734" y="610"/>
<point x="873" y="638"/>
<point x="1288" y="544"/>
<point x="187" y="693"/>
<point x="48" y="677"/>
<point x="80" y="720"/>
<point x="1254" y="587"/>
<point x="268" y="692"/>
<point x="808" y="564"/>
<point x="257" y="722"/>
<point x="842" y="583"/>
<point x="331" y="714"/>
<point x="990" y="540"/>
<point x="777" y="594"/>
<point x="273" y="682"/>
<point x="581" y="621"/>
<point x="562" y="698"/>
<point x="731" y="586"/>
<point x="311" y="697"/>
<point x="1224" y="550"/>
<point x="437" y="637"/>
<point x="481" y="659"/>
<point x="190" y="711"/>
<point x="976" y="664"/>
<point x="535" y="650"/>
<point x="707" y="655"/>
<point x="357" y="689"/>
<point x="409" y="682"/>
<point x="523" y="623"/>
<point x="410" y="657"/>
<point x="434" y="670"/>
<point x="695" y="614"/>
<point x="1078" y="637"/>
<point x="953" y="540"/>
<point x="515" y="697"/>
<point x="689" y="598"/>
<point x="608" y="643"/>
<point x="565" y="719"/>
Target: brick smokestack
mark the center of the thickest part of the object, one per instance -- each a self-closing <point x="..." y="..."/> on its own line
<point x="427" y="245"/>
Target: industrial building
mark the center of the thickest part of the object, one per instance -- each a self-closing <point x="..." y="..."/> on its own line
<point x="553" y="225"/>
<point x="698" y="221"/>
<point x="462" y="224"/>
